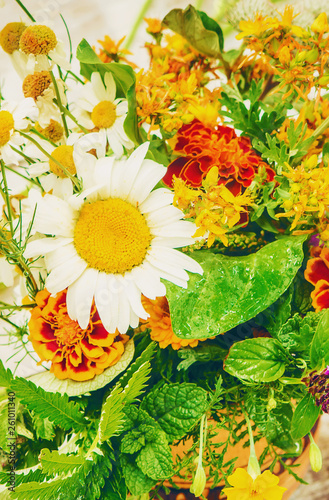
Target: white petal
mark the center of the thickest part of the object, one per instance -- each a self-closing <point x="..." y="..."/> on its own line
<point x="149" y="175"/>
<point x="59" y="255"/>
<point x="54" y="216"/>
<point x="103" y="299"/>
<point x="163" y="216"/>
<point x="98" y="87"/>
<point x="110" y="87"/>
<point x="176" y="229"/>
<point x="148" y="281"/>
<point x="156" y="199"/>
<point x="134" y="319"/>
<point x="176" y="258"/>
<point x="44" y="246"/>
<point x="103" y="175"/>
<point x="173" y="278"/>
<point x="114" y="141"/>
<point x="81" y="296"/>
<point x="163" y="266"/>
<point x="134" y="296"/>
<point x="85" y="165"/>
<point x="64" y="275"/>
<point x="124" y="312"/>
<point x="175" y="242"/>
<point x="131" y="167"/>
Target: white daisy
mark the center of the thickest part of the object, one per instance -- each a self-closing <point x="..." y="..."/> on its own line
<point x="14" y="117"/>
<point x="114" y="241"/>
<point x="99" y="108"/>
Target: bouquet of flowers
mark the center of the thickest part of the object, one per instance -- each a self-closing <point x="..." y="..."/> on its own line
<point x="165" y="259"/>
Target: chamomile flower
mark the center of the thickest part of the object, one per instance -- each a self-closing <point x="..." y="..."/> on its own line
<point x="99" y="108"/>
<point x="14" y="117"/>
<point x="114" y="241"/>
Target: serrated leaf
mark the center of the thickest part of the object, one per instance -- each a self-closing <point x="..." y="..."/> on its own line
<point x="232" y="290"/>
<point x="41" y="491"/>
<point x="137" y="482"/>
<point x="155" y="459"/>
<point x="202" y="354"/>
<point x="256" y="360"/>
<point x="202" y="32"/>
<point x="6" y="376"/>
<point x="44" y="429"/>
<point x="137" y="383"/>
<point x="146" y="355"/>
<point x="320" y="342"/>
<point x="112" y="414"/>
<point x="49" y="382"/>
<point x="54" y="406"/>
<point x="176" y="407"/>
<point x="305" y="416"/>
<point x="55" y="463"/>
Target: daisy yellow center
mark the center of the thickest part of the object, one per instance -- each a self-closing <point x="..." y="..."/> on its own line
<point x="64" y="155"/>
<point x="35" y="85"/>
<point x="53" y="131"/>
<point x="6" y="126"/>
<point x="111" y="236"/>
<point x="10" y="36"/>
<point x="37" y="39"/>
<point x="104" y="115"/>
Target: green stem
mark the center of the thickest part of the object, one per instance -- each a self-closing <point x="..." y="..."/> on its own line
<point x="69" y="114"/>
<point x="69" y="72"/>
<point x="58" y="97"/>
<point x="93" y="446"/>
<point x="321" y="128"/>
<point x="25" y="10"/>
<point x="6" y="196"/>
<point x="66" y="172"/>
<point x="291" y="381"/>
<point x="34" y="131"/>
<point x="130" y="38"/>
<point x="253" y="464"/>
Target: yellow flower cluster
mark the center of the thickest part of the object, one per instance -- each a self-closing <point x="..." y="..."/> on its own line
<point x="213" y="207"/>
<point x="308" y="194"/>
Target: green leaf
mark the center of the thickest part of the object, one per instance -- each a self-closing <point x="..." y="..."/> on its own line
<point x="115" y="487"/>
<point x="49" y="382"/>
<point x="325" y="154"/>
<point x="202" y="354"/>
<point x="54" y="463"/>
<point x="155" y="459"/>
<point x="276" y="314"/>
<point x="44" y="429"/>
<point x="233" y="290"/>
<point x="256" y="360"/>
<point x="305" y="416"/>
<point x="146" y="355"/>
<point x="124" y="78"/>
<point x="137" y="383"/>
<point x="112" y="414"/>
<point x="54" y="406"/>
<point x="297" y="333"/>
<point x="176" y="407"/>
<point x="5" y="376"/>
<point x="202" y="32"/>
<point x="320" y="343"/>
<point x="41" y="491"/>
<point x="137" y="482"/>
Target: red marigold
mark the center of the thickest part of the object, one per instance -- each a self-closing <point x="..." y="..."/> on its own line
<point x="200" y="148"/>
<point x="75" y="353"/>
<point x="317" y="273"/>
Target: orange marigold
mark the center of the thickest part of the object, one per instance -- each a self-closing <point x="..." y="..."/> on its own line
<point x="75" y="353"/>
<point x="159" y="323"/>
<point x="317" y="273"/>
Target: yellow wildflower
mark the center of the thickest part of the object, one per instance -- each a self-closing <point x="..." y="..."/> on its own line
<point x="264" y="487"/>
<point x="153" y="25"/>
<point x="320" y="24"/>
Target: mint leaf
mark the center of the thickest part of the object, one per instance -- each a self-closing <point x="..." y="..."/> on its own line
<point x="233" y="290"/>
<point x="176" y="407"/>
<point x="155" y="459"/>
<point x="256" y="360"/>
<point x="305" y="416"/>
<point x="137" y="482"/>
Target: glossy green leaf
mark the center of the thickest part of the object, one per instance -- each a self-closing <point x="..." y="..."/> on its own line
<point x="176" y="407"/>
<point x="155" y="459"/>
<point x="202" y="32"/>
<point x="320" y="343"/>
<point x="233" y="290"/>
<point x="137" y="482"/>
<point x="256" y="360"/>
<point x="305" y="416"/>
<point x="124" y="78"/>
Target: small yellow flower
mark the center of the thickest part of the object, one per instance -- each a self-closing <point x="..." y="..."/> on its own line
<point x="264" y="487"/>
<point x="320" y="24"/>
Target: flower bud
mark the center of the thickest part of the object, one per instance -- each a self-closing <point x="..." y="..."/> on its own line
<point x="199" y="482"/>
<point x="315" y="457"/>
<point x="271" y="404"/>
<point x="320" y="24"/>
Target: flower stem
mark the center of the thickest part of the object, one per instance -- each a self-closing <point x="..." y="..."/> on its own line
<point x="73" y="118"/>
<point x="25" y="10"/>
<point x="130" y="38"/>
<point x="6" y="197"/>
<point x="58" y="97"/>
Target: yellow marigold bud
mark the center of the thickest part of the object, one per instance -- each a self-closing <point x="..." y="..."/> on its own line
<point x="37" y="39"/>
<point x="199" y="482"/>
<point x="323" y="81"/>
<point x="35" y="85"/>
<point x="315" y="457"/>
<point x="320" y="24"/>
<point x="284" y="55"/>
<point x="10" y="36"/>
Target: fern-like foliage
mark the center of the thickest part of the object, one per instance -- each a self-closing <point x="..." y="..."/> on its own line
<point x="55" y="463"/>
<point x="5" y="376"/>
<point x="137" y="383"/>
<point x="52" y="405"/>
<point x="112" y="414"/>
<point x="146" y="355"/>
